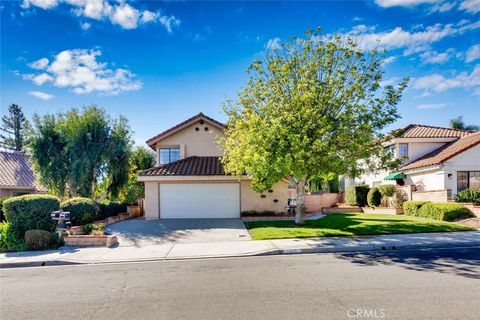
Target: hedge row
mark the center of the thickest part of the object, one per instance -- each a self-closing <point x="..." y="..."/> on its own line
<point x="357" y="195"/>
<point x="437" y="211"/>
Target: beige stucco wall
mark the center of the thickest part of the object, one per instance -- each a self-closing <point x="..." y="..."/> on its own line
<point x="315" y="202"/>
<point x="251" y="200"/>
<point x="151" y="203"/>
<point x="10" y="192"/>
<point x="194" y="143"/>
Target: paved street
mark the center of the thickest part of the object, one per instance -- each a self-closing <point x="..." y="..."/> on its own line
<point x="439" y="284"/>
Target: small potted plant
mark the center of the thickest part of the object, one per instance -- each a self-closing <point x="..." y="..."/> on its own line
<point x="95" y="229"/>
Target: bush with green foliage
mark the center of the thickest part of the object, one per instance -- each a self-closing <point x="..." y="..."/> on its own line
<point x="374" y="197"/>
<point x="411" y="208"/>
<point x="89" y="227"/>
<point x="110" y="209"/>
<point x="357" y="195"/>
<point x="38" y="239"/>
<point x="469" y="196"/>
<point x="29" y="212"/>
<point x="9" y="242"/>
<point x="444" y="211"/>
<point x="2" y="215"/>
<point x="82" y="210"/>
<point x="258" y="213"/>
<point x="387" y="190"/>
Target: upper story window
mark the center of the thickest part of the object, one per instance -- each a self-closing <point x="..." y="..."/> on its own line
<point x="391" y="150"/>
<point x="403" y="150"/>
<point x="168" y="155"/>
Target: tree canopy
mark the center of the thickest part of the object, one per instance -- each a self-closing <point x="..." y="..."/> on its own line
<point x="313" y="107"/>
<point x="458" y="123"/>
<point x="14" y="129"/>
<point x="72" y="152"/>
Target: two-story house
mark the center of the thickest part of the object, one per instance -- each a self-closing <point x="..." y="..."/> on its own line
<point x="188" y="180"/>
<point x="437" y="159"/>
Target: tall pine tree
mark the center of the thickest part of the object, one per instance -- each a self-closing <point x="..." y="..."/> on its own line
<point x="14" y="128"/>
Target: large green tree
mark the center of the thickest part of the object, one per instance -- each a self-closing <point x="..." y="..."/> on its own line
<point x="74" y="151"/>
<point x="14" y="129"/>
<point x="458" y="123"/>
<point x="313" y="108"/>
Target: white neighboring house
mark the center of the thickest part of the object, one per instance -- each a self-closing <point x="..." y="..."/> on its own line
<point x="439" y="159"/>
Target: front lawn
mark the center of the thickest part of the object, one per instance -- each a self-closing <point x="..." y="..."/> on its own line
<point x="348" y="224"/>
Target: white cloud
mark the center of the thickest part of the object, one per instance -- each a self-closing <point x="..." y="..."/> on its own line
<point x="44" y="4"/>
<point x="401" y="3"/>
<point x="273" y="44"/>
<point x="432" y="106"/>
<point x="118" y="12"/>
<point x="438" y="83"/>
<point x="471" y="6"/>
<point x="473" y="53"/>
<point x="85" y="26"/>
<point x="79" y="70"/>
<point x="389" y="60"/>
<point x="434" y="57"/>
<point x="41" y="95"/>
<point x="39" y="64"/>
<point x="443" y="6"/>
<point x="416" y="41"/>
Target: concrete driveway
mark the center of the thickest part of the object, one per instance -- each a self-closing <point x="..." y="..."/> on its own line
<point x="141" y="233"/>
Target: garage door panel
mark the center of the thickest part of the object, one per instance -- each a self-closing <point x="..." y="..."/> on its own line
<point x="200" y="200"/>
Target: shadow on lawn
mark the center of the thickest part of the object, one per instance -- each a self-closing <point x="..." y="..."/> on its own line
<point x="460" y="262"/>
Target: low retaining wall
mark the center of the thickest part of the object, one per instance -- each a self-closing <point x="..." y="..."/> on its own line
<point x="342" y="210"/>
<point x="316" y="202"/>
<point x="382" y="210"/>
<point x="91" y="241"/>
<point x="473" y="209"/>
<point x="432" y="196"/>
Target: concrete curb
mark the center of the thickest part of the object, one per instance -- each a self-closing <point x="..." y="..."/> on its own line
<point x="290" y="251"/>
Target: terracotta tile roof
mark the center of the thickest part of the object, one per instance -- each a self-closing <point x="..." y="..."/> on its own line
<point x="16" y="171"/>
<point x="191" y="166"/>
<point x="423" y="131"/>
<point x="445" y="152"/>
<point x="185" y="123"/>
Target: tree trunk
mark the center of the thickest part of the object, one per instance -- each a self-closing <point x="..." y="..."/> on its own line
<point x="102" y="195"/>
<point x="300" y="195"/>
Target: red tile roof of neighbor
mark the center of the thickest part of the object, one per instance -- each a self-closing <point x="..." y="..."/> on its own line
<point x="445" y="152"/>
<point x="423" y="131"/>
<point x="16" y="171"/>
<point x="183" y="124"/>
<point x="190" y="166"/>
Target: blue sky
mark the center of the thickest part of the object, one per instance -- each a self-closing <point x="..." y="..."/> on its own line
<point x="159" y="62"/>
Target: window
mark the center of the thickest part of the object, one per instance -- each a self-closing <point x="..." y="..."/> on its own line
<point x="403" y="150"/>
<point x="391" y="150"/>
<point x="168" y="155"/>
<point x="468" y="180"/>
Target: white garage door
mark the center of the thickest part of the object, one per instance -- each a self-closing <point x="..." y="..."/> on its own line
<point x="200" y="200"/>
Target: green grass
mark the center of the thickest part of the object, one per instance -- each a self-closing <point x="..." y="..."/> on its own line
<point x="351" y="224"/>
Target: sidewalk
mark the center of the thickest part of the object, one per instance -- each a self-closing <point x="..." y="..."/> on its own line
<point x="176" y="251"/>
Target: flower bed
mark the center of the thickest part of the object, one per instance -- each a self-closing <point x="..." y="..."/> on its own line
<point x="91" y="240"/>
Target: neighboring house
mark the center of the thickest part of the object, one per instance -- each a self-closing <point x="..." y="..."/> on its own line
<point x="438" y="159"/>
<point x="16" y="175"/>
<point x="189" y="181"/>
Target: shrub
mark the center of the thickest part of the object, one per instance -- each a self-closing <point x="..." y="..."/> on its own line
<point x="387" y="190"/>
<point x="8" y="240"/>
<point x="2" y="215"/>
<point x="469" y="196"/>
<point x="444" y="211"/>
<point x="29" y="212"/>
<point x="399" y="198"/>
<point x="258" y="213"/>
<point x="374" y="197"/>
<point x="111" y="209"/>
<point x="38" y="239"/>
<point x="82" y="210"/>
<point x="93" y="227"/>
<point x="357" y="195"/>
<point x="411" y="208"/>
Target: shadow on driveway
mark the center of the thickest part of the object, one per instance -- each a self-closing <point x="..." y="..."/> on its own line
<point x="141" y="233"/>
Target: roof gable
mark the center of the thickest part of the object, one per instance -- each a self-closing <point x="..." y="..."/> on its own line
<point x="16" y="171"/>
<point x="152" y="141"/>
<point x="445" y="152"/>
<point x="424" y="131"/>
